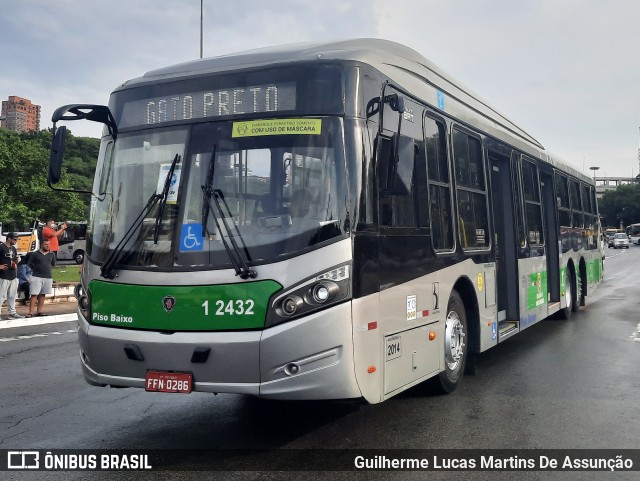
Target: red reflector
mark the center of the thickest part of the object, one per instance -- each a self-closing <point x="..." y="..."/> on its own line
<point x="425" y="313"/>
<point x="372" y="325"/>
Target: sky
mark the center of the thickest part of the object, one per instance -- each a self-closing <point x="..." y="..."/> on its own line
<point x="566" y="71"/>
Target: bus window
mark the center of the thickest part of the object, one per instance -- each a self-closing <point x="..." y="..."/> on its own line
<point x="589" y="218"/>
<point x="473" y="222"/>
<point x="532" y="206"/>
<point x="439" y="185"/>
<point x="576" y="204"/>
<point x="562" y="196"/>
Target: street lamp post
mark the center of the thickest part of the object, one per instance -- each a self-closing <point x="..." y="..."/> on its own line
<point x="594" y="168"/>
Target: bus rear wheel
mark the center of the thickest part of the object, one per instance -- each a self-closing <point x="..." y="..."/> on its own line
<point x="455" y="345"/>
<point x="78" y="256"/>
<point x="569" y="295"/>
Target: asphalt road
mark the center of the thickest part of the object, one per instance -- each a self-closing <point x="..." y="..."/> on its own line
<point x="559" y="384"/>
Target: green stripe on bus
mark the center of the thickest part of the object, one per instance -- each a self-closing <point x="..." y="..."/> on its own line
<point x="182" y="308"/>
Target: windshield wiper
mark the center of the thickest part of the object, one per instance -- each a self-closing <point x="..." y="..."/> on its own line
<point x="236" y="256"/>
<point x="164" y="195"/>
<point x="205" y="201"/>
<point x="106" y="270"/>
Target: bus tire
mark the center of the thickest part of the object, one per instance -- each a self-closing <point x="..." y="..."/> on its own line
<point x="78" y="256"/>
<point x="569" y="295"/>
<point x="576" y="286"/>
<point x="455" y="345"/>
<point x="581" y="288"/>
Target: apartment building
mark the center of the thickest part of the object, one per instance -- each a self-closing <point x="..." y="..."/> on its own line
<point x="19" y="114"/>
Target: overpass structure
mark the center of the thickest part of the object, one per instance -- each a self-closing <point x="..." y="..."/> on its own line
<point x="604" y="184"/>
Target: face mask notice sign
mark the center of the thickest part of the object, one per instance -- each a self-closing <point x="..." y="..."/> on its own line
<point x="255" y="128"/>
<point x="172" y="194"/>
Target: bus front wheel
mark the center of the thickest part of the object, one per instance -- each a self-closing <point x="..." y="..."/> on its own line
<point x="455" y="345"/>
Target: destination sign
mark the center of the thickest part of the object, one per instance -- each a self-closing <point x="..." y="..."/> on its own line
<point x="274" y="97"/>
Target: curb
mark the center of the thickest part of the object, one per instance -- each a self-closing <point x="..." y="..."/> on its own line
<point x="36" y="321"/>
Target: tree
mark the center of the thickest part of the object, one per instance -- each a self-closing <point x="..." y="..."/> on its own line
<point x="621" y="205"/>
<point x="24" y="162"/>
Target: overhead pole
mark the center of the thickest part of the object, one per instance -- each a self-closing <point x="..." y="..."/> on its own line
<point x="201" y="35"/>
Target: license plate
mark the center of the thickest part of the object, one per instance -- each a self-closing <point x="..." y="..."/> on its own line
<point x="159" y="381"/>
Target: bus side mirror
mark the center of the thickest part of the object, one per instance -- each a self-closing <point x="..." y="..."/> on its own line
<point x="402" y="175"/>
<point x="395" y="169"/>
<point x="94" y="113"/>
<point x="57" y="153"/>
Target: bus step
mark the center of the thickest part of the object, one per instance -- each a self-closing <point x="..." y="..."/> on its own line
<point x="553" y="307"/>
<point x="507" y="329"/>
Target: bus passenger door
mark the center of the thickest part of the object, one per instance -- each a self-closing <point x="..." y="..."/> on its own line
<point x="549" y="205"/>
<point x="504" y="242"/>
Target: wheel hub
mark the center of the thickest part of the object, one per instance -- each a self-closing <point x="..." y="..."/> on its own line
<point x="454" y="340"/>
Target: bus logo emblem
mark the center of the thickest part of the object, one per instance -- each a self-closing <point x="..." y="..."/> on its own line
<point x="168" y="302"/>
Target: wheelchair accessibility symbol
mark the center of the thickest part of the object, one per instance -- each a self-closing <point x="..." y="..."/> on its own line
<point x="191" y="238"/>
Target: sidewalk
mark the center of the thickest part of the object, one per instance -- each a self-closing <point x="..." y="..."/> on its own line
<point x="56" y="310"/>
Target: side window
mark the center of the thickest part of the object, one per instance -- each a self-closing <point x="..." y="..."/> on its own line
<point x="471" y="191"/>
<point x="532" y="205"/>
<point x="439" y="185"/>
<point x="576" y="204"/>
<point x="586" y="205"/>
<point x="518" y="201"/>
<point x="594" y="205"/>
<point x="400" y="168"/>
<point x="562" y="198"/>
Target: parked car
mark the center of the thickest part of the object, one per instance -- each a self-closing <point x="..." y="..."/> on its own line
<point x="619" y="241"/>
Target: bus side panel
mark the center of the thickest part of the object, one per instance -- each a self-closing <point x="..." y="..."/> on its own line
<point x="392" y="346"/>
<point x="367" y="354"/>
<point x="408" y="354"/>
<point x="534" y="297"/>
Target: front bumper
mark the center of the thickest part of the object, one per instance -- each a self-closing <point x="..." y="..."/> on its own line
<point x="248" y="362"/>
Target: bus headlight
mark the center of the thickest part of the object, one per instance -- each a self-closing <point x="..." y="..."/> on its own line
<point x="324" y="291"/>
<point x="83" y="302"/>
<point x="82" y="295"/>
<point x="312" y="294"/>
<point x="291" y="304"/>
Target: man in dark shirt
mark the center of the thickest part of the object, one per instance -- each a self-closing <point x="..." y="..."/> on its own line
<point x="9" y="259"/>
<point x="41" y="263"/>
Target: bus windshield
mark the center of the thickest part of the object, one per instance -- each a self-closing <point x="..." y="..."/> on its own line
<point x="276" y="194"/>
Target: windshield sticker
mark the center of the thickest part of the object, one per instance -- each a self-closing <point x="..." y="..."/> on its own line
<point x="254" y="128"/>
<point x="191" y="238"/>
<point x="172" y="195"/>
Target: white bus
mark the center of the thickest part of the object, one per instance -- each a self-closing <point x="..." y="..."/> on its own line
<point x="633" y="231"/>
<point x="73" y="242"/>
<point x="339" y="220"/>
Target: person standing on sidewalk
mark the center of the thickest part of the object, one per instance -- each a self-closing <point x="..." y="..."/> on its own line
<point x="9" y="259"/>
<point x="41" y="263"/>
